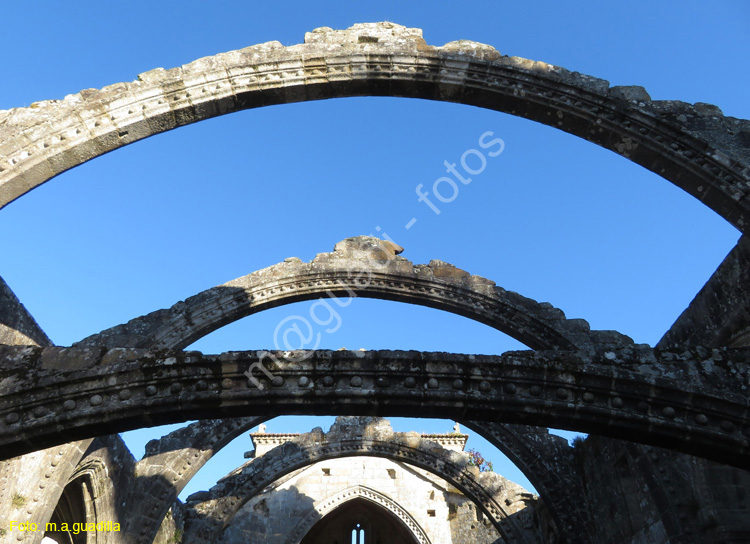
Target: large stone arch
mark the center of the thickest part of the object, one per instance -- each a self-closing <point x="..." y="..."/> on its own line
<point x="351" y="267"/>
<point x="501" y="500"/>
<point x="26" y="422"/>
<point x="706" y="123"/>
<point x="545" y="459"/>
<point x="326" y="505"/>
<point x="169" y="464"/>
<point x="692" y="401"/>
<point x="360" y="266"/>
<point x="695" y="147"/>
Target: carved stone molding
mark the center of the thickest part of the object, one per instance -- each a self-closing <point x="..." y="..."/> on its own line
<point x="325" y="506"/>
<point x="693" y="400"/>
<point x="693" y="146"/>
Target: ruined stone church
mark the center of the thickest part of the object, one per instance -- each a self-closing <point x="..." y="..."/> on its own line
<point x="668" y="449"/>
<point x="364" y="498"/>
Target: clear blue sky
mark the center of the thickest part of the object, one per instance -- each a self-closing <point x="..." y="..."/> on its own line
<point x="553" y="217"/>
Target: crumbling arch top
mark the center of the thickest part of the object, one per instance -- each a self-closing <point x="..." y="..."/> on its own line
<point x="360" y="266"/>
<point x="694" y="146"/>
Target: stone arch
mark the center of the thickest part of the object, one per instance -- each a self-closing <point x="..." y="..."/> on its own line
<point x="88" y="497"/>
<point x="74" y="507"/>
<point x="720" y="158"/>
<point x="651" y="396"/>
<point x="324" y="506"/>
<point x="170" y="463"/>
<point x="359" y="521"/>
<point x="502" y="501"/>
<point x="695" y="147"/>
<point x="107" y="470"/>
<point x="542" y="457"/>
<point x="457" y="288"/>
<point x="49" y="472"/>
<point x="360" y="266"/>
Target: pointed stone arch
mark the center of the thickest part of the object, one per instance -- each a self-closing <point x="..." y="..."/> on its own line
<point x="325" y="506"/>
<point x="506" y="504"/>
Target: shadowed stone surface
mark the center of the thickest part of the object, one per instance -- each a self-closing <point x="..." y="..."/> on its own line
<point x="693" y="401"/>
<point x="31" y="485"/>
<point x="719" y="315"/>
<point x="17" y="327"/>
<point x="548" y="461"/>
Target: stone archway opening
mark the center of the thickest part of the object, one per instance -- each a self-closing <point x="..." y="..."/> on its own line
<point x="70" y="514"/>
<point x="359" y="521"/>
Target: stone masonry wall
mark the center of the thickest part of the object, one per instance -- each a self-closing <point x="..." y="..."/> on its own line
<point x="440" y="509"/>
